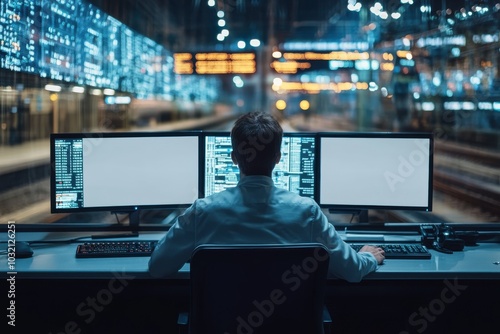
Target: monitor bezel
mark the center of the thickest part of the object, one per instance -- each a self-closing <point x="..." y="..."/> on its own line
<point x="126" y="134"/>
<point x="357" y="207"/>
<point x="285" y="134"/>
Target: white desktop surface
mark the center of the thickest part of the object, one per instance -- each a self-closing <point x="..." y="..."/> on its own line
<point x="58" y="261"/>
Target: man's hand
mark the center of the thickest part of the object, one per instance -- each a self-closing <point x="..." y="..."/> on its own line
<point x="378" y="252"/>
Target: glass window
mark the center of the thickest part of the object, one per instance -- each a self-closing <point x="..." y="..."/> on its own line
<point x="82" y="66"/>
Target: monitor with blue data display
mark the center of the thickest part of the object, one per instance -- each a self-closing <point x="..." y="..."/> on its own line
<point x="377" y="170"/>
<point x="124" y="172"/>
<point x="294" y="172"/>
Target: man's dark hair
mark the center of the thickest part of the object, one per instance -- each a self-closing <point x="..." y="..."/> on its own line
<point x="256" y="140"/>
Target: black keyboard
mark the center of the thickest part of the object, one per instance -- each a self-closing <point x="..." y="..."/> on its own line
<point x="126" y="248"/>
<point x="400" y="251"/>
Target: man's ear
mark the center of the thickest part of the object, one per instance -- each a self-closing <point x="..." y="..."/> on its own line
<point x="278" y="158"/>
<point x="233" y="157"/>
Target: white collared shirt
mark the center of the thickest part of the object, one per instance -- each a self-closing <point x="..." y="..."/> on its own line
<point x="256" y="212"/>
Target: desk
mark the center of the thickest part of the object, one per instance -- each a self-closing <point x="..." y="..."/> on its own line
<point x="57" y="261"/>
<point x="450" y="293"/>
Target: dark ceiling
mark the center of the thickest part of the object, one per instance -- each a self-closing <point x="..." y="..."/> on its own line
<point x="195" y="21"/>
<point x="192" y="24"/>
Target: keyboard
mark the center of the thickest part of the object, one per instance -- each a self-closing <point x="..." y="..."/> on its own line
<point x="400" y="251"/>
<point x="128" y="248"/>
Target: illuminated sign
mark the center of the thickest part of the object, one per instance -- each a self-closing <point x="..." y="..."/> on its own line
<point x="289" y="67"/>
<point x="321" y="46"/>
<point x="117" y="100"/>
<point x="183" y="63"/>
<point x="458" y="40"/>
<point x="315" y="87"/>
<point x="334" y="55"/>
<point x="215" y="63"/>
<point x="293" y="62"/>
<point x="485" y="39"/>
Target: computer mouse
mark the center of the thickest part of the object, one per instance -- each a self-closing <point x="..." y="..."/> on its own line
<point x="23" y="250"/>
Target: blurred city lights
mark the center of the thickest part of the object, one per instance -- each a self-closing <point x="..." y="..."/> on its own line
<point x="281" y="105"/>
<point x="53" y="88"/>
<point x="78" y="89"/>
<point x="238" y="82"/>
<point x="354" y="6"/>
<point x="255" y="42"/>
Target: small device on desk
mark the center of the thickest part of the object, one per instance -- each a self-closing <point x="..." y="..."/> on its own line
<point x="441" y="238"/>
<point x="22" y="250"/>
<point x="128" y="248"/>
<point x="400" y="251"/>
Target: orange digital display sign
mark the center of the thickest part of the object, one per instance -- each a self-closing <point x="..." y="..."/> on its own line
<point x="215" y="63"/>
<point x="294" y="62"/>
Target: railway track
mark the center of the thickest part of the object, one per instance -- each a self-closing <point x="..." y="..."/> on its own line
<point x="472" y="176"/>
<point x="470" y="191"/>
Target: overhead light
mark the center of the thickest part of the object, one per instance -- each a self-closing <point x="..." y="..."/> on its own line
<point x="78" y="89"/>
<point x="276" y="54"/>
<point x="109" y="91"/>
<point x="53" y="88"/>
<point x="255" y="42"/>
<point x="117" y="100"/>
<point x="238" y="82"/>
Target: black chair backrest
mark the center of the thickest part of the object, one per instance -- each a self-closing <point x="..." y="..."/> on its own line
<point x="258" y="288"/>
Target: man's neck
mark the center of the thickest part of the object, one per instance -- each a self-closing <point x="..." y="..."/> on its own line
<point x="242" y="175"/>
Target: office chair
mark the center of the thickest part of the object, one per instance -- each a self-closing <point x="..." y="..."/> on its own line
<point x="258" y="289"/>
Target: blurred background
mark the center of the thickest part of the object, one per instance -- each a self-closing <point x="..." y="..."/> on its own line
<point x="317" y="65"/>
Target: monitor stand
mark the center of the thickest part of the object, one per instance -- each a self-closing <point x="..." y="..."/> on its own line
<point x="134" y="218"/>
<point x="361" y="214"/>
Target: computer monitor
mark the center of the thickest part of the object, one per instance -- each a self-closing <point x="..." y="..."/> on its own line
<point x="361" y="171"/>
<point x="124" y="171"/>
<point x="295" y="171"/>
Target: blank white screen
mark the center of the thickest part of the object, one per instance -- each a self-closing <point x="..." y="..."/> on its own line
<point x="137" y="171"/>
<point x="374" y="171"/>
